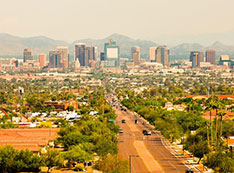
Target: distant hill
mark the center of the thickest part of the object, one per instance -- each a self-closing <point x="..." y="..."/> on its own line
<point x="182" y="51"/>
<point x="13" y="46"/>
<point x="203" y="39"/>
<point x="125" y="43"/>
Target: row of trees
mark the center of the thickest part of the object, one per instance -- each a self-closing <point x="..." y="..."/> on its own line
<point x="12" y="160"/>
<point x="91" y="139"/>
<point x="203" y="138"/>
<point x="94" y="137"/>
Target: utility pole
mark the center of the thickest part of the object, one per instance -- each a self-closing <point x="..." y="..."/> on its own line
<point x="130" y="162"/>
<point x="21" y="92"/>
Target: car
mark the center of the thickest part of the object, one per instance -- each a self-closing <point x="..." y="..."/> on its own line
<point x="120" y="130"/>
<point x="136" y="121"/>
<point x="146" y="132"/>
<point x="189" y="171"/>
<point x="123" y="121"/>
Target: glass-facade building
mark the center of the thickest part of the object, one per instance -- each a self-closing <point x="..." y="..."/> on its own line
<point x="111" y="54"/>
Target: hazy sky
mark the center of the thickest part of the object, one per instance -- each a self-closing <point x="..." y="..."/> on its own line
<point x="70" y="20"/>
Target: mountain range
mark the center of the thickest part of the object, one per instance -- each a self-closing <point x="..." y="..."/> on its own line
<point x="13" y="46"/>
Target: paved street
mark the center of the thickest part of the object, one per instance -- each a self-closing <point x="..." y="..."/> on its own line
<point x="153" y="155"/>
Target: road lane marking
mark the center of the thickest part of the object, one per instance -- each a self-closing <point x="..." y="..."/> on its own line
<point x="133" y="143"/>
<point x="147" y="157"/>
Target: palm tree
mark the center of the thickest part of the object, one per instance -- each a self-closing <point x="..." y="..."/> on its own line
<point x="221" y="114"/>
<point x="209" y="107"/>
<point x="207" y="133"/>
<point x="218" y="106"/>
<point x="191" y="105"/>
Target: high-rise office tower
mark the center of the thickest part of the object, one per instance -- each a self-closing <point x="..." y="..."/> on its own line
<point x="195" y="58"/>
<point x="210" y="56"/>
<point x="85" y="55"/>
<point x="102" y="56"/>
<point x="55" y="59"/>
<point x="80" y="53"/>
<point x="111" y="52"/>
<point x="152" y="53"/>
<point x="65" y="56"/>
<point x="162" y="55"/>
<point x="135" y="52"/>
<point x="28" y="55"/>
<point x="89" y="56"/>
<point x="201" y="55"/>
<point x="42" y="60"/>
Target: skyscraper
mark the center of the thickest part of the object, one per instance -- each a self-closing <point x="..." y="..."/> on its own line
<point x="90" y="56"/>
<point x="210" y="56"/>
<point x="80" y="53"/>
<point x="102" y="56"/>
<point x="111" y="52"/>
<point x="55" y="59"/>
<point x="152" y="53"/>
<point x="135" y="52"/>
<point x="162" y="55"/>
<point x="201" y="55"/>
<point x="42" y="60"/>
<point x="28" y="55"/>
<point x="195" y="58"/>
<point x="85" y="55"/>
<point x="64" y="60"/>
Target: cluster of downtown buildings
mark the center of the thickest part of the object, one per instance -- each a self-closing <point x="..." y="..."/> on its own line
<point x="88" y="56"/>
<point x="85" y="56"/>
<point x="199" y="60"/>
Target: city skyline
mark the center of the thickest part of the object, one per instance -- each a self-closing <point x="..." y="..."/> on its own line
<point x="189" y="19"/>
<point x="122" y="86"/>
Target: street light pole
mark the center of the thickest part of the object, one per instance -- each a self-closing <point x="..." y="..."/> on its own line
<point x="130" y="161"/>
<point x="21" y="92"/>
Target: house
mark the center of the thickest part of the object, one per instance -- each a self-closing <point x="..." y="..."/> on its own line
<point x="31" y="139"/>
<point x="169" y="106"/>
<point x="206" y="96"/>
<point x="230" y="141"/>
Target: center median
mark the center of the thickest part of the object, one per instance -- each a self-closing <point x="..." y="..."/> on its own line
<point x="147" y="158"/>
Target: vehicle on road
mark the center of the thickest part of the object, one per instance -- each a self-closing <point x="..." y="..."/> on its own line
<point x="123" y="109"/>
<point x="120" y="130"/>
<point x="189" y="171"/>
<point x="123" y="121"/>
<point x="146" y="132"/>
<point x="136" y="121"/>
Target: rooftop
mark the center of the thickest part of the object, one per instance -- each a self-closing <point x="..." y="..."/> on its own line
<point x="32" y="139"/>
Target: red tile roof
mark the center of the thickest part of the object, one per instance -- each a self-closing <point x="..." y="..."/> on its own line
<point x="32" y="139"/>
<point x="230" y="142"/>
<point x="220" y="96"/>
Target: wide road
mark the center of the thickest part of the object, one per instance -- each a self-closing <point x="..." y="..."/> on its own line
<point x="153" y="156"/>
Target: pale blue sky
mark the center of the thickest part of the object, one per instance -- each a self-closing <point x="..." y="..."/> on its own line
<point x="70" y="20"/>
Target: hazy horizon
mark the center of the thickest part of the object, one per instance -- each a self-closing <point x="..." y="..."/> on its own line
<point x="162" y="21"/>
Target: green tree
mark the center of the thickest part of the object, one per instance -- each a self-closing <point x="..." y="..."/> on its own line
<point x="112" y="164"/>
<point x="77" y="154"/>
<point x="3" y="97"/>
<point x="52" y="157"/>
<point x="12" y="161"/>
<point x="218" y="106"/>
<point x="221" y="114"/>
<point x="7" y="159"/>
